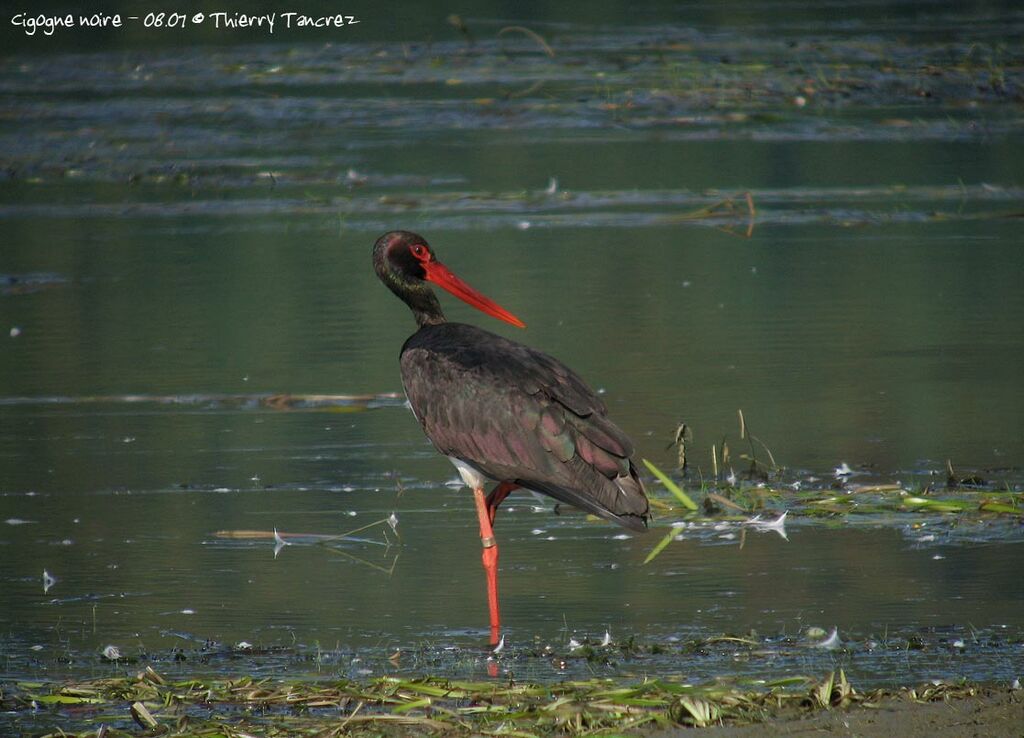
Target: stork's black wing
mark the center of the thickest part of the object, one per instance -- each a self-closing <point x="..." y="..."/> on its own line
<point x="522" y="416"/>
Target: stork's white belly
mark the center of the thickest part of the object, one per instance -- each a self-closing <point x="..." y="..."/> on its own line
<point x="472" y="477"/>
<point x="475" y="480"/>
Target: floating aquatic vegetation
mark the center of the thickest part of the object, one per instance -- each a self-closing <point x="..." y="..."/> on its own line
<point x="340" y="544"/>
<point x="433" y="706"/>
<point x="333" y="541"/>
<point x="634" y="83"/>
<point x="973" y="516"/>
<point x="333" y="403"/>
<point x="766" y="486"/>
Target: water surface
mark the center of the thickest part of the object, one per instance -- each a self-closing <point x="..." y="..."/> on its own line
<point x="186" y="232"/>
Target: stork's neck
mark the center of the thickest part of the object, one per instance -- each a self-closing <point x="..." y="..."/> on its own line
<point x="424" y="305"/>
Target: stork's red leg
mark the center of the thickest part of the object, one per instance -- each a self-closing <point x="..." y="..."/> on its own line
<point x="497" y="496"/>
<point x="490" y="560"/>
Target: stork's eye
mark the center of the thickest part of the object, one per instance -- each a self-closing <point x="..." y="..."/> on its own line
<point x="420" y="252"/>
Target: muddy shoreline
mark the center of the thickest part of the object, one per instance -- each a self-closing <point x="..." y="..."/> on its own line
<point x="992" y="713"/>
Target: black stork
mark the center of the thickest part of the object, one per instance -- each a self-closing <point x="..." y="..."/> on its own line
<point x="500" y="410"/>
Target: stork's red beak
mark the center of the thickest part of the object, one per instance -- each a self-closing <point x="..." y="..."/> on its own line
<point x="439" y="274"/>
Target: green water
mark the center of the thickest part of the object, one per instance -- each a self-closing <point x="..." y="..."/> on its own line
<point x="191" y="226"/>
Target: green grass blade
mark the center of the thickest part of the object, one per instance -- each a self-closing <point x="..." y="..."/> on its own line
<point x="671" y="486"/>
<point x="414" y="705"/>
<point x="1001" y="507"/>
<point x="65" y="699"/>
<point x="661" y="546"/>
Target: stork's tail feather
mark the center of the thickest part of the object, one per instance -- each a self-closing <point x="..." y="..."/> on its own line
<point x="632" y="509"/>
<point x="621" y="500"/>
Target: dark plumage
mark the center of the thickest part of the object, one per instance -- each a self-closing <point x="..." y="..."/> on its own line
<point x="519" y="415"/>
